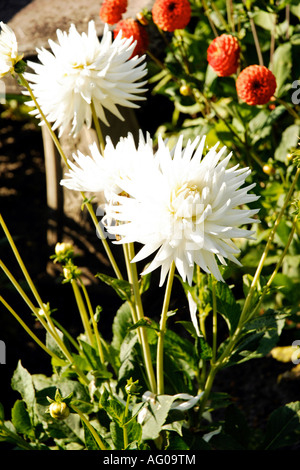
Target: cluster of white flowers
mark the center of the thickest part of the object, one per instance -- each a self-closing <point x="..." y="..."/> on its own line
<point x="181" y="205"/>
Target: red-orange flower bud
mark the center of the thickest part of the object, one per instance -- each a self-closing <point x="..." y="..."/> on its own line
<point x="256" y="85"/>
<point x="223" y="55"/>
<point x="169" y="15"/>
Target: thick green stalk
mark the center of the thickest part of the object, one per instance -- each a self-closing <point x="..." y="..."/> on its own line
<point x="82" y="311"/>
<point x="89" y="426"/>
<point x="214" y="325"/>
<point x="98" y="128"/>
<point x="125" y="434"/>
<point x="95" y="327"/>
<point x="25" y="83"/>
<point x="162" y="331"/>
<point x="103" y="239"/>
<point x="133" y="279"/>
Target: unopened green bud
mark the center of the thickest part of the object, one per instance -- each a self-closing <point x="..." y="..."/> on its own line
<point x="63" y="248"/>
<point x="59" y="411"/>
<point x="71" y="272"/>
<point x="132" y="387"/>
<point x="45" y="310"/>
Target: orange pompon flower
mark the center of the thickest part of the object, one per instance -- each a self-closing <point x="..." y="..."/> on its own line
<point x="111" y="11"/>
<point x="131" y="28"/>
<point x="256" y="85"/>
<point x="169" y="15"/>
<point x="223" y="55"/>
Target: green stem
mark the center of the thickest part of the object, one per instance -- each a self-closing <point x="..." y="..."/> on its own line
<point x="25" y="83"/>
<point x="125" y="434"/>
<point x="207" y="14"/>
<point x="15" y="437"/>
<point x="52" y="331"/>
<point x="82" y="311"/>
<point x="103" y="239"/>
<point x="28" y="330"/>
<point x="214" y="325"/>
<point x="98" y="128"/>
<point x="89" y="426"/>
<point x="277" y="267"/>
<point x="66" y="333"/>
<point x="255" y="37"/>
<point x="162" y="331"/>
<point x="229" y="8"/>
<point x="44" y="319"/>
<point x="133" y="277"/>
<point x="207" y="389"/>
<point x="289" y="109"/>
<point x="95" y="327"/>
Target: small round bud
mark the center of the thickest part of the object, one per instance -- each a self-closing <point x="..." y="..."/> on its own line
<point x="67" y="273"/>
<point x="59" y="411"/>
<point x="289" y="157"/>
<point x="185" y="90"/>
<point x="268" y="169"/>
<point x="132" y="387"/>
<point x="45" y="310"/>
<point x="63" y="248"/>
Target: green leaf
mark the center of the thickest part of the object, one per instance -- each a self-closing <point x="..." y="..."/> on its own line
<point x="282" y="64"/>
<point x="117" y="435"/>
<point x="113" y="407"/>
<point x="89" y="439"/>
<point x="156" y="416"/>
<point x="91" y="355"/>
<point x="289" y="140"/>
<point x="131" y="361"/>
<point x="226" y="303"/>
<point x="122" y="287"/>
<point x="122" y="321"/>
<point x="21" y="419"/>
<point x="264" y="19"/>
<point x="283" y="427"/>
<point x="144" y="322"/>
<point x="22" y="383"/>
<point x="259" y="336"/>
<point x="134" y="432"/>
<point x="54" y="347"/>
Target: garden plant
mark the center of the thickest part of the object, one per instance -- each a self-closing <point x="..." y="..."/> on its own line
<point x="208" y="200"/>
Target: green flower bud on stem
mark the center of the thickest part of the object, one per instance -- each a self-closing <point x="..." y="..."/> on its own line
<point x="59" y="411"/>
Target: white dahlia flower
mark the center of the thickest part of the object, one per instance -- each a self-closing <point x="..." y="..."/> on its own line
<point x="9" y="55"/>
<point x="80" y="70"/>
<point x="184" y="209"/>
<point x="104" y="175"/>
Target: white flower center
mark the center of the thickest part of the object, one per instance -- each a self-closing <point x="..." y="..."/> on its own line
<point x="185" y="203"/>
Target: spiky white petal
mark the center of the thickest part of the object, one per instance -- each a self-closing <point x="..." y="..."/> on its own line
<point x="80" y="69"/>
<point x="105" y="175"/>
<point x="9" y="55"/>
